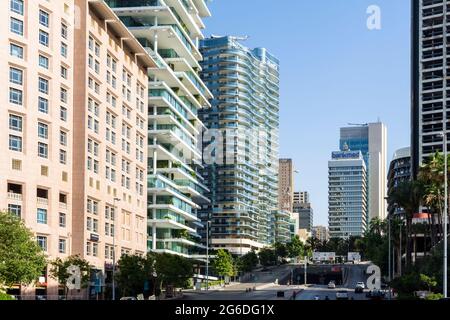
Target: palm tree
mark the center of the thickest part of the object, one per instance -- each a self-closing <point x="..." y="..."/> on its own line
<point x="431" y="175"/>
<point x="407" y="195"/>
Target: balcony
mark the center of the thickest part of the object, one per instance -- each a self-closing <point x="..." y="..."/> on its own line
<point x="15" y="196"/>
<point x="42" y="201"/>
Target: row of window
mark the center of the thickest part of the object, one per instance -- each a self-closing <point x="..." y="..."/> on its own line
<point x="41" y="215"/>
<point x="42" y="241"/>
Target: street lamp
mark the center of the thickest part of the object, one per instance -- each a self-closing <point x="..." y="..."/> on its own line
<point x="207" y="254"/>
<point x="445" y="213"/>
<point x="114" y="252"/>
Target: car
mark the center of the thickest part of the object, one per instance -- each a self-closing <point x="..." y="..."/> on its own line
<point x="376" y="295"/>
<point x="332" y="285"/>
<point x="360" y="287"/>
<point x="128" y="298"/>
<point x="316" y="298"/>
<point x="342" y="295"/>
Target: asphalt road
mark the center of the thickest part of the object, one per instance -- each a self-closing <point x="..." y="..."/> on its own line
<point x="322" y="292"/>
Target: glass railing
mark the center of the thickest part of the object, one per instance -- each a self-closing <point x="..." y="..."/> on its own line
<point x="197" y="83"/>
<point x="133" y="3"/>
<point x="169" y="97"/>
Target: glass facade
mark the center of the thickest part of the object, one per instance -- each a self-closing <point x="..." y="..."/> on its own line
<point x="347" y="195"/>
<point x="242" y="146"/>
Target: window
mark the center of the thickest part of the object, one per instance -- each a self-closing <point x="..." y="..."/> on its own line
<point x="88" y="248"/>
<point x="95" y="225"/>
<point x="41" y="216"/>
<point x="15" y="143"/>
<point x="62" y="156"/>
<point x="17" y="26"/>
<point x="15" y="209"/>
<point x="15" y="122"/>
<point x="15" y="96"/>
<point x="97" y="49"/>
<point x="64" y="31"/>
<point x="42" y="242"/>
<point x="42" y="105"/>
<point x="43" y="62"/>
<point x="63" y="113"/>
<point x="89" y="223"/>
<point x="16" y="76"/>
<point x="43" y="38"/>
<point x="95" y="249"/>
<point x="91" y="43"/>
<point x="63" y="95"/>
<point x="63" y="138"/>
<point x="17" y="6"/>
<point x="62" y="246"/>
<point x="42" y="130"/>
<point x="64" y="72"/>
<point x="43" y="150"/>
<point x="16" y="51"/>
<point x="64" y="49"/>
<point x="44" y="18"/>
<point x="43" y="85"/>
<point x="97" y="67"/>
<point x="62" y="220"/>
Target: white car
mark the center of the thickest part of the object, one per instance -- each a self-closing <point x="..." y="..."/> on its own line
<point x="361" y="285"/>
<point x="331" y="285"/>
<point x="342" y="295"/>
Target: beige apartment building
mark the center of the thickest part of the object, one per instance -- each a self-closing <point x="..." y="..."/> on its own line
<point x="36" y="60"/>
<point x="110" y="133"/>
<point x="74" y="103"/>
<point x="285" y="184"/>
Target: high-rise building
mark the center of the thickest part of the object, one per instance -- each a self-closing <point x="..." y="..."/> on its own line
<point x="429" y="82"/>
<point x="301" y="197"/>
<point x="399" y="171"/>
<point x="244" y="120"/>
<point x="76" y="86"/>
<point x="170" y="31"/>
<point x="347" y="194"/>
<point x="305" y="215"/>
<point x="371" y="140"/>
<point x="110" y="132"/>
<point x="285" y="184"/>
<point x="320" y="232"/>
<point x="37" y="79"/>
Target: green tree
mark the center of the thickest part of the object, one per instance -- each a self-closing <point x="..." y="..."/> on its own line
<point x="223" y="263"/>
<point x="429" y="282"/>
<point x="280" y="250"/>
<point x="407" y="195"/>
<point x="173" y="270"/>
<point x="267" y="257"/>
<point x="295" y="248"/>
<point x="134" y="271"/>
<point x="60" y="271"/>
<point x="21" y="259"/>
<point x="247" y="262"/>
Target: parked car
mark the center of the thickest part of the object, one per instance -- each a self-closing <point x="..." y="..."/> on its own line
<point x="331" y="285"/>
<point x="342" y="295"/>
<point x="360" y="287"/>
<point x="375" y="295"/>
<point x="128" y="298"/>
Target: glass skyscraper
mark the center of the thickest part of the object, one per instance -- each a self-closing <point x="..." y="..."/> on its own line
<point x="347" y="194"/>
<point x="241" y="145"/>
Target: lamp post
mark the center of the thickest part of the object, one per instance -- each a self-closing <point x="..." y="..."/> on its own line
<point x="444" y="132"/>
<point x="114" y="252"/>
<point x="207" y="254"/>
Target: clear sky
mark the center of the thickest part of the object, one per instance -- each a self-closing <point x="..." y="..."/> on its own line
<point x="334" y="71"/>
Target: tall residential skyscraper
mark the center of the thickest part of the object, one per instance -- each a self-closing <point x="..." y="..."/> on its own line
<point x="371" y="140"/>
<point x="170" y="31"/>
<point x="285" y="184"/>
<point x="243" y="125"/>
<point x="429" y="85"/>
<point x="347" y="194"/>
<point x="76" y="86"/>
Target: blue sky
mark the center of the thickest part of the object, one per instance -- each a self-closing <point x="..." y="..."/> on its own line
<point x="334" y="71"/>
